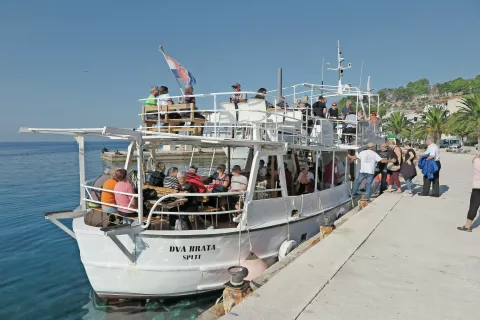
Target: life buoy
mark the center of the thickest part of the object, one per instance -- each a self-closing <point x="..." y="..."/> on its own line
<point x="286" y="247"/>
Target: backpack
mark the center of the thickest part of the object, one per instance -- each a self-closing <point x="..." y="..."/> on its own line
<point x="156" y="179"/>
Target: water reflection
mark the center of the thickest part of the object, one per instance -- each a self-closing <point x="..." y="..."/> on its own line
<point x="151" y="309"/>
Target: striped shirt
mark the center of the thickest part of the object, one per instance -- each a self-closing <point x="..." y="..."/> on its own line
<point x="170" y="182"/>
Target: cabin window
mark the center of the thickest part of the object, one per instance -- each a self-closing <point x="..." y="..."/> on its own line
<point x="267" y="180"/>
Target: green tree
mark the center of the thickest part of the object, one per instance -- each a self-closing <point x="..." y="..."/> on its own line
<point x="434" y="124"/>
<point x="456" y="126"/>
<point x="469" y="115"/>
<point x="397" y="124"/>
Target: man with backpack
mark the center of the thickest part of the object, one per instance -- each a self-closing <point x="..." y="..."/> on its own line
<point x="157" y="177"/>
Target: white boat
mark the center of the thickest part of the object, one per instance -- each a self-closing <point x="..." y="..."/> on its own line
<point x="150" y="258"/>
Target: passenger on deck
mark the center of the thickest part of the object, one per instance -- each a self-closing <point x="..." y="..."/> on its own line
<point x="283" y="103"/>
<point x="262" y="170"/>
<point x="328" y="174"/>
<point x="238" y="97"/>
<point x="306" y="179"/>
<point x="239" y="183"/>
<point x="191" y="204"/>
<point x="319" y="108"/>
<point x="109" y="197"/>
<point x="152" y="101"/>
<point x="220" y="180"/>
<point x="124" y="186"/>
<point x="307" y="114"/>
<point x="261" y="95"/>
<point x="185" y="114"/>
<point x="195" y="179"/>
<point x="351" y="127"/>
<point x="333" y="111"/>
<point x="347" y="109"/>
<point x="171" y="180"/>
<point x="157" y="177"/>
<point x="98" y="183"/>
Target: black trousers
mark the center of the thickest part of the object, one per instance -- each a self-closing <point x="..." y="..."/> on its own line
<point x="351" y="132"/>
<point x="434" y="183"/>
<point x="474" y="204"/>
<point x="383" y="183"/>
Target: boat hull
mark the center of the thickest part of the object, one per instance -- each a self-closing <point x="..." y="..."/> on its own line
<point x="177" y="264"/>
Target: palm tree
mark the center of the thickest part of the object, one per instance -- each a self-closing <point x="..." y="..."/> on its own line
<point x="397" y="124"/>
<point x="434" y="124"/>
<point x="469" y="115"/>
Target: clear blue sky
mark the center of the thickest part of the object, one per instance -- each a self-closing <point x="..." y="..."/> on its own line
<point x="47" y="46"/>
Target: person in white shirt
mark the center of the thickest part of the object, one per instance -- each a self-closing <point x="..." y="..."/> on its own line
<point x="433" y="154"/>
<point x="306" y="179"/>
<point x="368" y="163"/>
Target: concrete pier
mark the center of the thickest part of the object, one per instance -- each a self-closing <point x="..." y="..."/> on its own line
<point x="399" y="258"/>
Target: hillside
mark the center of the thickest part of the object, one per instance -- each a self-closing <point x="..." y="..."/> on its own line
<point x="419" y="93"/>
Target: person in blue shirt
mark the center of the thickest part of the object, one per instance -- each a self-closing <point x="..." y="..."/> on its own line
<point x="347" y="109"/>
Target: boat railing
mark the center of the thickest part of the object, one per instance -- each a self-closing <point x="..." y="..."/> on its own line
<point x="89" y="198"/>
<point x="161" y="201"/>
<point x="270" y="119"/>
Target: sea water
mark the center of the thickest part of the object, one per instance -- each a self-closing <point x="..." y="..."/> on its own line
<point x="41" y="275"/>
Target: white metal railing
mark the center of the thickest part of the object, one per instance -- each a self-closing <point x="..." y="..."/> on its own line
<point x="280" y="124"/>
<point x="132" y="196"/>
<point x="198" y="213"/>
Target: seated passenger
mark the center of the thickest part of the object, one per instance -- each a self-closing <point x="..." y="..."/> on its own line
<point x="283" y="103"/>
<point x="194" y="179"/>
<point x="109" y="197"/>
<point x="157" y="177"/>
<point x="171" y="180"/>
<point x="98" y="183"/>
<point x="220" y="180"/>
<point x="186" y="115"/>
<point x="350" y="127"/>
<point x="239" y="183"/>
<point x="306" y="180"/>
<point x="261" y="95"/>
<point x="123" y="200"/>
<point x="262" y="170"/>
<point x="191" y="204"/>
<point x="152" y="101"/>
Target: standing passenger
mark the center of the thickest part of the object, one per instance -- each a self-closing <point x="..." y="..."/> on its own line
<point x="408" y="170"/>
<point x="433" y="154"/>
<point x="394" y="170"/>
<point x="474" y="196"/>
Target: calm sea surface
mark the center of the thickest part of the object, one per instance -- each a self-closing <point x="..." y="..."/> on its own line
<point x="41" y="273"/>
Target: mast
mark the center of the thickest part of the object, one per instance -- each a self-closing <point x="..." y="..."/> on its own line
<point x="339" y="67"/>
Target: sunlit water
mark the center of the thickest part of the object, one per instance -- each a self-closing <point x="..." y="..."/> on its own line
<point x="41" y="273"/>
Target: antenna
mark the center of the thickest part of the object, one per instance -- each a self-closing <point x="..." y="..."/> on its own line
<point x="361" y="72"/>
<point x="323" y="60"/>
<point x="339" y="67"/>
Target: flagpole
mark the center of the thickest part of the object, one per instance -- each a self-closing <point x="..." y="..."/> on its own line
<point x="178" y="83"/>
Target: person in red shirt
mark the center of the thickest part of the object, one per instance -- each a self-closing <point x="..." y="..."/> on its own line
<point x="195" y="180"/>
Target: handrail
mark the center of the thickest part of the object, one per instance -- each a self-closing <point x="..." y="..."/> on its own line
<point x="176" y="195"/>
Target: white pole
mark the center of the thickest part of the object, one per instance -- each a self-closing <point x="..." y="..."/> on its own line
<point x="81" y="166"/>
<point x="140" y="179"/>
<point x="211" y="163"/>
<point x="361" y="73"/>
<point x="129" y="154"/>
<point x="333" y="171"/>
<point x="316" y="171"/>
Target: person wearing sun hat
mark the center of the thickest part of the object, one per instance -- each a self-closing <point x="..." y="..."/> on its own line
<point x="368" y="162"/>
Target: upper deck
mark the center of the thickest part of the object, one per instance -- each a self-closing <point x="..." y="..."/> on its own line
<point x="268" y="117"/>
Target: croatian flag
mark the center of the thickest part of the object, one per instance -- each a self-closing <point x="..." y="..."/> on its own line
<point x="178" y="70"/>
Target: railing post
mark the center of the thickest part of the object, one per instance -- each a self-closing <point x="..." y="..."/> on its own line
<point x="333" y="171"/>
<point x="140" y="179"/>
<point x="81" y="166"/>
<point x="215" y="115"/>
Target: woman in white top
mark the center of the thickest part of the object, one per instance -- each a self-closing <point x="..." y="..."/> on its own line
<point x="306" y="179"/>
<point x="474" y="197"/>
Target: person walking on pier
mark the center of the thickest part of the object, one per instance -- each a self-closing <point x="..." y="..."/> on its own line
<point x="433" y="154"/>
<point x="368" y="162"/>
<point x="474" y="196"/>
